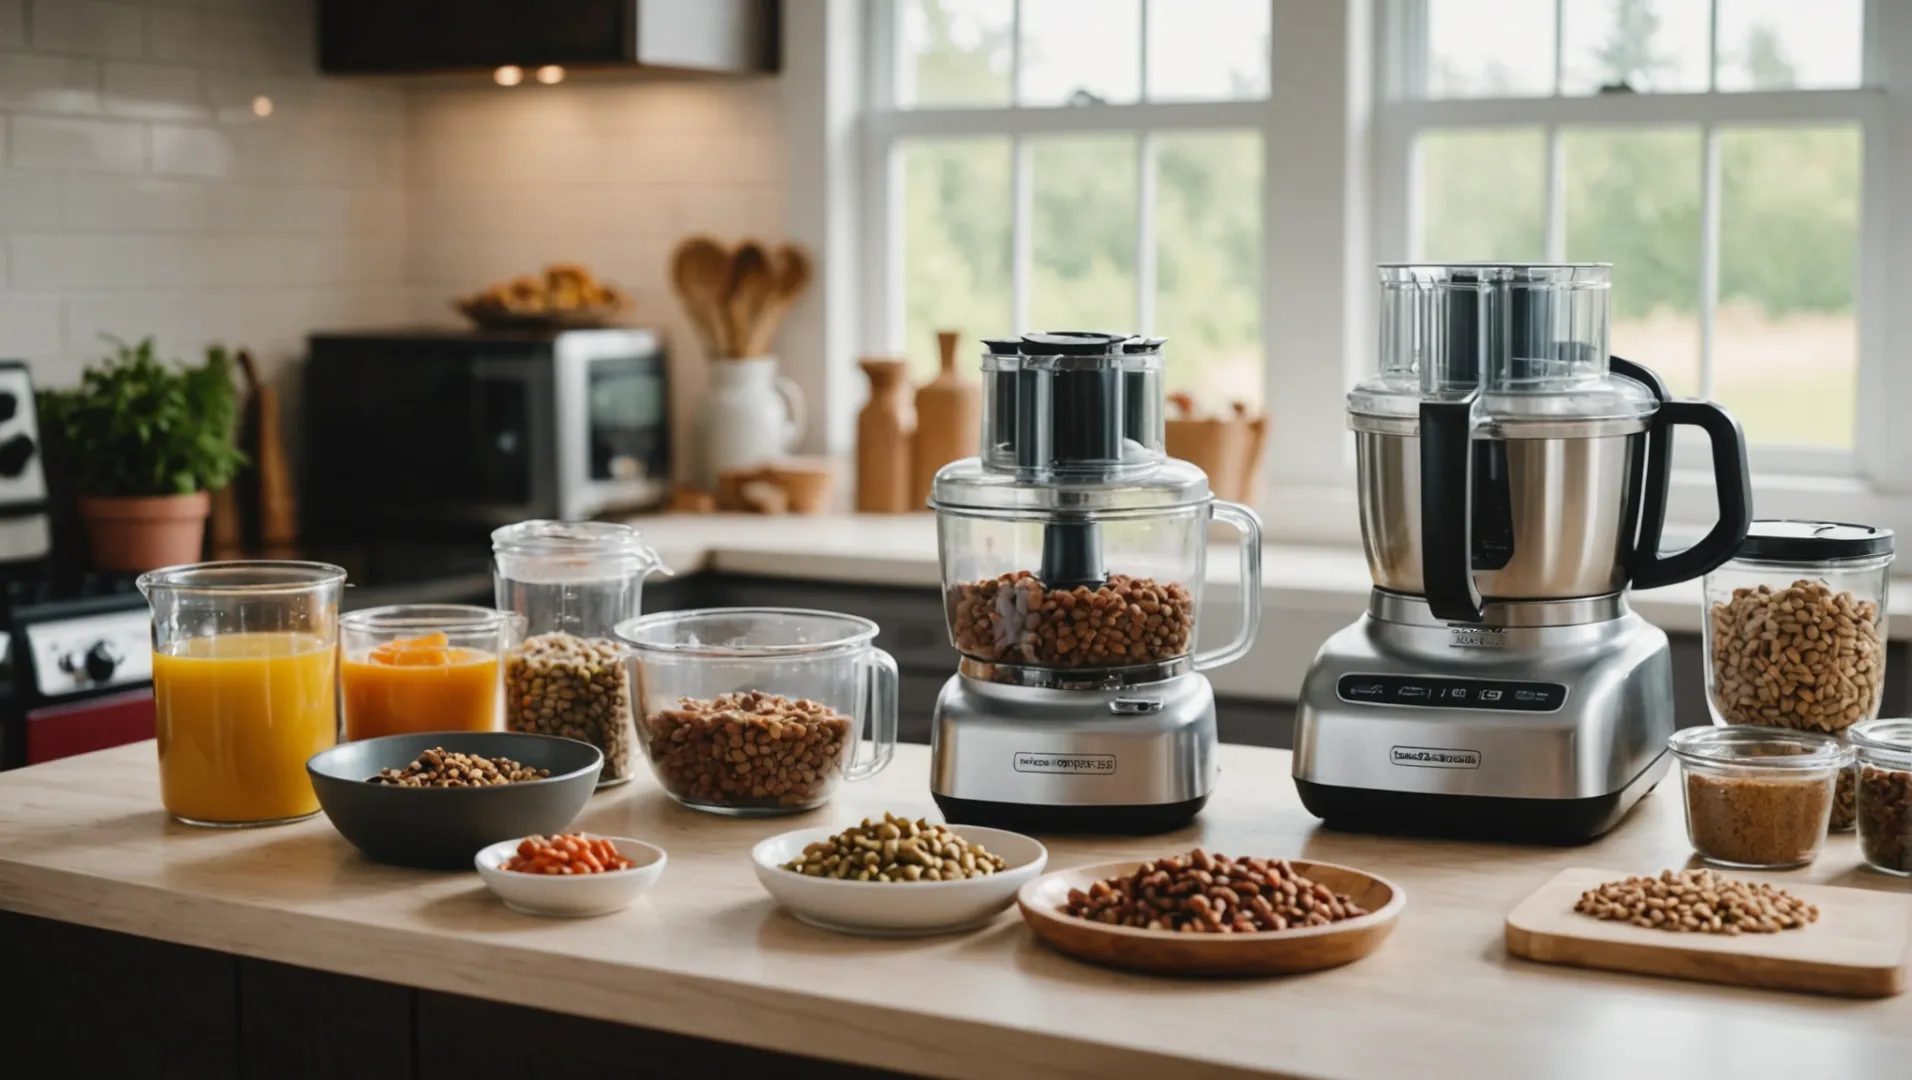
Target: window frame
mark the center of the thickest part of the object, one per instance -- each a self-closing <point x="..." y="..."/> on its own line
<point x="1316" y="268"/>
<point x="1401" y="118"/>
<point x="888" y="129"/>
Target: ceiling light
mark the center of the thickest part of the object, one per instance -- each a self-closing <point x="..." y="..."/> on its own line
<point x="262" y="106"/>
<point x="550" y="74"/>
<point x="509" y="75"/>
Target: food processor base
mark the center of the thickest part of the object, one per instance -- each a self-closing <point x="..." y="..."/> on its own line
<point x="1130" y="759"/>
<point x="1545" y="721"/>
<point x="1109" y="820"/>
<point x="1539" y="821"/>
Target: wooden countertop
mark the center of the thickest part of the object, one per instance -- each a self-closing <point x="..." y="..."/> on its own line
<point x="84" y="840"/>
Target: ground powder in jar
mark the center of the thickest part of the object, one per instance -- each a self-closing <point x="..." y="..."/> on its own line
<point x="749" y="749"/>
<point x="1014" y="619"/>
<point x="1757" y="820"/>
<point x="1885" y="817"/>
<point x="575" y="688"/>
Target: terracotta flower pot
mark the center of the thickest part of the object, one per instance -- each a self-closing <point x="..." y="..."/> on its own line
<point x="145" y="532"/>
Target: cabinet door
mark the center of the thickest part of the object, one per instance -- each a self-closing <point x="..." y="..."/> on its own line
<point x="460" y="1038"/>
<point x="300" y="1024"/>
<point x="419" y="35"/>
<point x="85" y="1002"/>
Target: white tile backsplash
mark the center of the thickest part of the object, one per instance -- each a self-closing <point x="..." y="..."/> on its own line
<point x="76" y="145"/>
<point x="153" y="91"/>
<point x="141" y="192"/>
<point x="87" y="27"/>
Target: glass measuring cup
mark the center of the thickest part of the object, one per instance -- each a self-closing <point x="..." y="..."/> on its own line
<point x="245" y="686"/>
<point x="759" y="711"/>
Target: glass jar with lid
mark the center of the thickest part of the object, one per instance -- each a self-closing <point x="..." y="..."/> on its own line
<point x="1884" y="770"/>
<point x="1074" y="542"/>
<point x="1795" y="631"/>
<point x="572" y="582"/>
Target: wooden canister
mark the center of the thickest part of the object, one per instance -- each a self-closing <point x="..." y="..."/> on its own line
<point x="884" y="431"/>
<point x="948" y="421"/>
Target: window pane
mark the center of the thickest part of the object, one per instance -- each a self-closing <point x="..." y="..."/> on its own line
<point x="1208" y="235"/>
<point x="1787" y="44"/>
<point x="1484" y="195"/>
<point x="1633" y="199"/>
<point x="1082" y="234"/>
<point x="955" y="243"/>
<point x="1208" y="50"/>
<point x="953" y="52"/>
<point x="1080" y="52"/>
<point x="1643" y="45"/>
<point x="1786" y="340"/>
<point x="1490" y="48"/>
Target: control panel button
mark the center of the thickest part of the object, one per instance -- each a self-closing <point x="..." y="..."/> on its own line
<point x="1441" y="692"/>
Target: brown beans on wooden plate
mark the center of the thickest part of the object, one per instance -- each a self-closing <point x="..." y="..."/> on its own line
<point x="1212" y="894"/>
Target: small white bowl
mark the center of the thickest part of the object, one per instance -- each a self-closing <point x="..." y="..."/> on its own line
<point x="898" y="908"/>
<point x="571" y="895"/>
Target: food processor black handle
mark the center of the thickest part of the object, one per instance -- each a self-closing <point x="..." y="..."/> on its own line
<point x="1656" y="478"/>
<point x="1732" y="481"/>
<point x="1447" y="509"/>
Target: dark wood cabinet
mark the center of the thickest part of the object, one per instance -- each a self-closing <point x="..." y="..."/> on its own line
<point x="366" y="37"/>
<point x="86" y="1002"/>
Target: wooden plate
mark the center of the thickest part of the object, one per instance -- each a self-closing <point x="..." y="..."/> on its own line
<point x="1166" y="952"/>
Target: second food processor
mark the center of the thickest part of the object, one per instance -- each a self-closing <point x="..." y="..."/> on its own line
<point x="1073" y="552"/>
<point x="1513" y="485"/>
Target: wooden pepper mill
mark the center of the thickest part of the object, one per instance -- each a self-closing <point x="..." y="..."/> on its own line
<point x="884" y="431"/>
<point x="948" y="421"/>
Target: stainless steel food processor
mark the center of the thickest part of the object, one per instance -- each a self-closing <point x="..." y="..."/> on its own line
<point x="1073" y="553"/>
<point x="1513" y="484"/>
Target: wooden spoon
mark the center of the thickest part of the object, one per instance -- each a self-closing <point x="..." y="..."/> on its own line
<point x="700" y="271"/>
<point x="792" y="274"/>
<point x="751" y="285"/>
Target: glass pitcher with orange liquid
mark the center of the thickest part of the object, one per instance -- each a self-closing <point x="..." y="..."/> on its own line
<point x="245" y="686"/>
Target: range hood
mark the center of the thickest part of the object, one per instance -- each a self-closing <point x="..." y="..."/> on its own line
<point x="396" y="37"/>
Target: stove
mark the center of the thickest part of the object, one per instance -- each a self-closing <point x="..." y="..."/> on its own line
<point x="75" y="649"/>
<point x="76" y="663"/>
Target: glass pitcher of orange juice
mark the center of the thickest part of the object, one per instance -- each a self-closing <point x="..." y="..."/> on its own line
<point x="424" y="667"/>
<point x="245" y="686"/>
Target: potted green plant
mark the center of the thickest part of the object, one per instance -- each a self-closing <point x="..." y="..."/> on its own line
<point x="146" y="442"/>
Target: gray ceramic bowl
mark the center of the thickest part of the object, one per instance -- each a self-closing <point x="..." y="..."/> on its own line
<point x="443" y="828"/>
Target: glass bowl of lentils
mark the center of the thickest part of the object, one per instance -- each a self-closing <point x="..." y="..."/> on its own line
<point x="760" y="711"/>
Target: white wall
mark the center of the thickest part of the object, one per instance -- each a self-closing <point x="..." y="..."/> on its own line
<point x="611" y="174"/>
<point x="139" y="193"/>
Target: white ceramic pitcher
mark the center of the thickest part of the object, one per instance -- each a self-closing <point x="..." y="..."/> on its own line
<point x="749" y="415"/>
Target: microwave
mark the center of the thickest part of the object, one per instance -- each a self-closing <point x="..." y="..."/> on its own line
<point x="447" y="433"/>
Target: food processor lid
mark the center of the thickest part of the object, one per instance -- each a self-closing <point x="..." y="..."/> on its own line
<point x="970" y="485"/>
<point x="1530" y="338"/>
<point x="1813" y="541"/>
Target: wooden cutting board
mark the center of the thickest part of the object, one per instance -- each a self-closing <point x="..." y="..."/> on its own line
<point x="1856" y="949"/>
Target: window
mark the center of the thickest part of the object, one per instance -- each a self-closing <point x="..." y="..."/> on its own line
<point x="1072" y="164"/>
<point x="1715" y="151"/>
